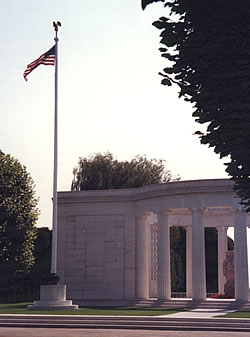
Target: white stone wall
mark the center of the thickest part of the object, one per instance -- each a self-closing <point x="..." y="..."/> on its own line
<point x="100" y="256"/>
<point x="95" y="263"/>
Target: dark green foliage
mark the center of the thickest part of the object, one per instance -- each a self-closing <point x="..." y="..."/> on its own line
<point x="178" y="258"/>
<point x="40" y="272"/>
<point x="207" y="47"/>
<point x="42" y="253"/>
<point x="103" y="171"/>
<point x="19" y="289"/>
<point x="211" y="251"/>
<point x="18" y="215"/>
<point x="26" y="286"/>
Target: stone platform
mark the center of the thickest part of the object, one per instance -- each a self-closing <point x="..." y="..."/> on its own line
<point x="52" y="297"/>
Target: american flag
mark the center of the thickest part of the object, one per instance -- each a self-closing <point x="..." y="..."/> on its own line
<point x="47" y="59"/>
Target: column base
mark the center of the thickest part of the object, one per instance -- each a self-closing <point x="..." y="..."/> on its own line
<point x="199" y="301"/>
<point x="241" y="302"/>
<point x="53" y="297"/>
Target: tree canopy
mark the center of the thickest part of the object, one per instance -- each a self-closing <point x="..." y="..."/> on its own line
<point x="40" y="272"/>
<point x="208" y="53"/>
<point x="18" y="215"/>
<point x="103" y="171"/>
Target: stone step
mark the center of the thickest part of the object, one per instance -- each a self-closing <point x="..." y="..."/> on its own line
<point x="212" y="304"/>
<point x="174" y="303"/>
<point x="132" y="323"/>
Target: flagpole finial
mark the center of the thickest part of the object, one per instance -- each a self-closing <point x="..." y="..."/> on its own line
<point x="56" y="24"/>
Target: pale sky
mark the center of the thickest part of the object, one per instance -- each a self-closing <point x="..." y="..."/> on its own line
<point x="110" y="95"/>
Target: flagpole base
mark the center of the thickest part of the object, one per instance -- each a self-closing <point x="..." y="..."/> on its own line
<point x="53" y="297"/>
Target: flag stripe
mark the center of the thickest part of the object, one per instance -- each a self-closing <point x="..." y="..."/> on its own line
<point x="47" y="59"/>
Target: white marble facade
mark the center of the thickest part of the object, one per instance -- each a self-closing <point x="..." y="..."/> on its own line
<point x="105" y="239"/>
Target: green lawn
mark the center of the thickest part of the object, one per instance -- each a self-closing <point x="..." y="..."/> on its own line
<point x="243" y="313"/>
<point x="21" y="308"/>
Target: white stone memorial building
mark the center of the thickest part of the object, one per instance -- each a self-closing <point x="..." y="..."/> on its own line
<point x="114" y="245"/>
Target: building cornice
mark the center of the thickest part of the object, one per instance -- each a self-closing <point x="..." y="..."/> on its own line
<point x="148" y="192"/>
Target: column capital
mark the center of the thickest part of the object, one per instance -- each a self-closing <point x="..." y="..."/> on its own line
<point x="143" y="215"/>
<point x="163" y="211"/>
<point x="200" y="210"/>
<point x="222" y="228"/>
<point x="239" y="209"/>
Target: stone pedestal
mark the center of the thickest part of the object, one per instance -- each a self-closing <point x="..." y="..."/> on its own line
<point x="52" y="297"/>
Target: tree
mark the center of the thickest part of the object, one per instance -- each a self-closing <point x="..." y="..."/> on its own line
<point x="206" y="45"/>
<point x="178" y="258"/>
<point x="18" y="215"/>
<point x="103" y="171"/>
<point x="40" y="272"/>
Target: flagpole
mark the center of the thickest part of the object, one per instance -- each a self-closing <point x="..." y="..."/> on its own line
<point x="53" y="269"/>
<point x="52" y="294"/>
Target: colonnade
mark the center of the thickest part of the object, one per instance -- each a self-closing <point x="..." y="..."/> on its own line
<point x="195" y="255"/>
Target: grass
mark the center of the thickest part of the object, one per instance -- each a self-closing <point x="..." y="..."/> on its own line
<point x="21" y="308"/>
<point x="243" y="313"/>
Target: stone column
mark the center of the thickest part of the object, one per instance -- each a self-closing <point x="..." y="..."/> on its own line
<point x="188" y="261"/>
<point x="198" y="256"/>
<point x="142" y="256"/>
<point x="222" y="249"/>
<point x="163" y="274"/>
<point x="240" y="257"/>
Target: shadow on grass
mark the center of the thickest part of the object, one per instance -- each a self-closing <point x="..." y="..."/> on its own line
<point x="13" y="305"/>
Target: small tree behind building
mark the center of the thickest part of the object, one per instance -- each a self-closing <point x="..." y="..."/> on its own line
<point x="104" y="171"/>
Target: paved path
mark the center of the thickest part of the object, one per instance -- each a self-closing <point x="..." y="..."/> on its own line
<point x="199" y="313"/>
<point x="43" y="332"/>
